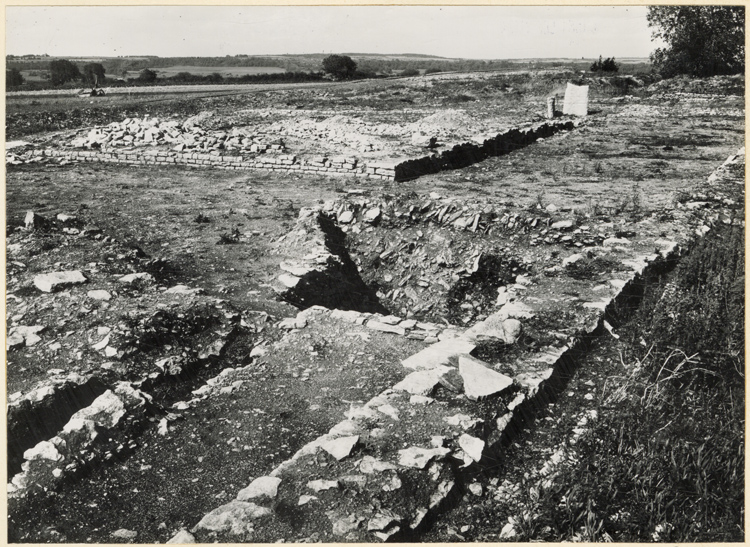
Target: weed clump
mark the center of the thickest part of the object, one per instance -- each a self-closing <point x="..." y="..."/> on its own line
<point x="664" y="458"/>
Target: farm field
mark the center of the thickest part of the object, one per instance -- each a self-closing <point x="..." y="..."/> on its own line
<point x="255" y="355"/>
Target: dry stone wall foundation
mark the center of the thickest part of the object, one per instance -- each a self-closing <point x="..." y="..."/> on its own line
<point x="460" y="155"/>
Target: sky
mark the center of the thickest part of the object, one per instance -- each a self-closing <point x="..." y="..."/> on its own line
<point x="477" y="32"/>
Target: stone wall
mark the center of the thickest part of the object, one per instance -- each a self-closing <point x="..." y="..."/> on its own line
<point x="461" y="155"/>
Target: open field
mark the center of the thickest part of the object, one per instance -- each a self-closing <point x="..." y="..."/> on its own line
<point x="267" y="354"/>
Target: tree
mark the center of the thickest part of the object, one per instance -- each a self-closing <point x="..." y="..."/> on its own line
<point x="93" y="73"/>
<point x="147" y="75"/>
<point x="63" y="71"/>
<point x="701" y="40"/>
<point x="13" y="77"/>
<point x="607" y="65"/>
<point x="341" y="67"/>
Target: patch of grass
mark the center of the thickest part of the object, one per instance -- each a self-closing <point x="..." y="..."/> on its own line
<point x="664" y="459"/>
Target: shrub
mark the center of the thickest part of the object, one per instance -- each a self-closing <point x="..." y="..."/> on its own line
<point x="147" y="76"/>
<point x="410" y="72"/>
<point x="606" y="65"/>
<point x="93" y="73"/>
<point x="432" y="70"/>
<point x="63" y="71"/>
<point x="13" y="78"/>
<point x="341" y="67"/>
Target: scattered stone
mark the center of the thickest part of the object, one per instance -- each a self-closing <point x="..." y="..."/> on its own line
<point x="346" y="217"/>
<point x="183" y="536"/>
<point x="34" y="221"/>
<point x="422" y="382"/>
<point x="262" y="487"/>
<point x="342" y="525"/>
<point x="383" y="327"/>
<point x="123" y="533"/>
<point x="130" y="278"/>
<point x="563" y="225"/>
<point x="319" y="485"/>
<point x="235" y="517"/>
<point x="479" y="380"/>
<point x="99" y="294"/>
<point x="476" y="489"/>
<point x="372" y="215"/>
<point x="383" y="520"/>
<point x="472" y="446"/>
<point x="370" y="465"/>
<point x="440" y="354"/>
<point x="572" y="259"/>
<point x="305" y="499"/>
<point x="289" y="281"/>
<point x="340" y="447"/>
<point x="418" y="458"/>
<point x="497" y="326"/>
<point x="56" y="280"/>
<point x="44" y="450"/>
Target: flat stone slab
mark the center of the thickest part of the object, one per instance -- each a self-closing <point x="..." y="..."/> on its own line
<point x="440" y="354"/>
<point x="479" y="380"/>
<point x="56" y="280"/>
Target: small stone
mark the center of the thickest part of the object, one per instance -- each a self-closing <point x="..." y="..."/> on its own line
<point x="262" y="487"/>
<point x="346" y="217"/>
<point x="319" y="485"/>
<point x="370" y="465"/>
<point x="476" y="489"/>
<point x="563" y="225"/>
<point x="572" y="259"/>
<point x="56" y="280"/>
<point x="130" y="278"/>
<point x="99" y="295"/>
<point x="472" y="446"/>
<point x="418" y="458"/>
<point x="372" y="215"/>
<point x="183" y="536"/>
<point x="235" y="517"/>
<point x="289" y="281"/>
<point x="383" y="520"/>
<point x="383" y="327"/>
<point x="44" y="450"/>
<point x="125" y="534"/>
<point x="305" y="499"/>
<point x="340" y="447"/>
<point x="439" y="354"/>
<point x="422" y="382"/>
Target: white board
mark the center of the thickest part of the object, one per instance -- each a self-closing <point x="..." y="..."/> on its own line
<point x="576" y="100"/>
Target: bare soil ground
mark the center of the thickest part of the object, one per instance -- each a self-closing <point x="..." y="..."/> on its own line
<point x="628" y="183"/>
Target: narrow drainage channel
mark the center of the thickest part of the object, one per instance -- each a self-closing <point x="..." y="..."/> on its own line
<point x="29" y="424"/>
<point x="616" y="313"/>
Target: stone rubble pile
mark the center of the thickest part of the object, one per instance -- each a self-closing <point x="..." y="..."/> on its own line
<point x="180" y="137"/>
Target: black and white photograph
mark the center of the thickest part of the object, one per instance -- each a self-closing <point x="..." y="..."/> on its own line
<point x="374" y="273"/>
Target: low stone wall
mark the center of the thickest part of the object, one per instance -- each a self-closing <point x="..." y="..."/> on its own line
<point x="461" y="155"/>
<point x="288" y="163"/>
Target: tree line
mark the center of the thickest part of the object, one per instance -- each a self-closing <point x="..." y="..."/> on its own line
<point x="701" y="41"/>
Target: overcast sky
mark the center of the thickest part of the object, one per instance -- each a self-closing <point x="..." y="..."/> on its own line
<point x="494" y="32"/>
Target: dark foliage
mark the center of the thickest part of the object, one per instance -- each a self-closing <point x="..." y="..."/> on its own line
<point x="701" y="40"/>
<point x="63" y="71"/>
<point x="606" y="65"/>
<point x="93" y="73"/>
<point x="341" y="67"/>
<point x="13" y="78"/>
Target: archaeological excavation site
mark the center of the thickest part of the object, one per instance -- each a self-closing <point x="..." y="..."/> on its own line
<point x="441" y="308"/>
